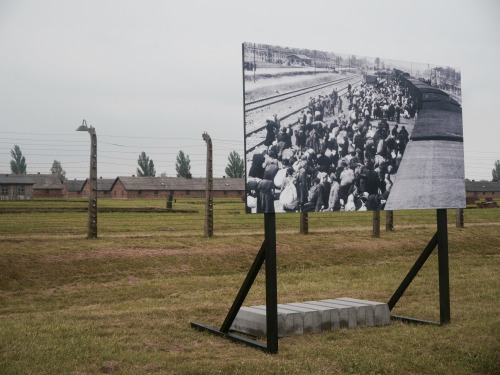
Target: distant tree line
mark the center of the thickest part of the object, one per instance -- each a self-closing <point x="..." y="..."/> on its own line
<point x="146" y="168"/>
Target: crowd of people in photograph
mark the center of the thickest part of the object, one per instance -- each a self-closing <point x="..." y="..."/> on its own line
<point x="348" y="164"/>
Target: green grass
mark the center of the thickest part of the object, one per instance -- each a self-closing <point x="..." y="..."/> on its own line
<point x="123" y="303"/>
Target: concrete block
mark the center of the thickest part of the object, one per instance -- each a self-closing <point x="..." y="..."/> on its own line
<point x="291" y="320"/>
<point x="330" y="319"/>
<point x="381" y="312"/>
<point x="252" y="322"/>
<point x="347" y="314"/>
<point x="311" y="317"/>
<point x="364" y="313"/>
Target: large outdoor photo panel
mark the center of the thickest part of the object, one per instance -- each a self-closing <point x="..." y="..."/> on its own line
<point x="328" y="131"/>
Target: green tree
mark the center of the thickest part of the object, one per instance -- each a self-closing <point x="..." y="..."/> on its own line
<point x="58" y="170"/>
<point x="18" y="162"/>
<point x="182" y="165"/>
<point x="496" y="171"/>
<point x="235" y="167"/>
<point x="146" y="166"/>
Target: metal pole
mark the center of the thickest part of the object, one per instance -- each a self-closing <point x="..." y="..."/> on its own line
<point x="209" y="204"/>
<point x="254" y="63"/>
<point x="444" y="273"/>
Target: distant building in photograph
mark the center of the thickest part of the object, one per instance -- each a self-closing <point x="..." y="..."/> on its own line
<point x="298" y="59"/>
<point x="273" y="55"/>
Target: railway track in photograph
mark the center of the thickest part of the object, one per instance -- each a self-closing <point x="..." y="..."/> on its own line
<point x="285" y="105"/>
<point x="260" y="103"/>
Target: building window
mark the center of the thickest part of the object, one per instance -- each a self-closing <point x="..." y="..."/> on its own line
<point x="20" y="190"/>
<point x="139" y="192"/>
<point x="225" y="192"/>
<point x="47" y="191"/>
<point x="156" y="192"/>
<point x="188" y="192"/>
<point x="5" y="190"/>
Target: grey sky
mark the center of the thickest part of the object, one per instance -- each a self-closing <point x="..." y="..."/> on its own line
<point x="153" y="75"/>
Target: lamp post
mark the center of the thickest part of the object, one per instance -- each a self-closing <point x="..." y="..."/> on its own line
<point x="92" y="219"/>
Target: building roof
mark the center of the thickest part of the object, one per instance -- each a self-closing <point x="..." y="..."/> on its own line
<point x="105" y="184"/>
<point x="74" y="185"/>
<point x="39" y="181"/>
<point x="486" y="186"/>
<point x="299" y="56"/>
<point x="46" y="181"/>
<point x="180" y="183"/>
<point x="18" y="179"/>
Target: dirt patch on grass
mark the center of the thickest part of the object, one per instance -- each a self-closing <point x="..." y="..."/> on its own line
<point x="146" y="252"/>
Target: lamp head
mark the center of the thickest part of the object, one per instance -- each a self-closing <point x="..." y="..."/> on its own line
<point x="83" y="127"/>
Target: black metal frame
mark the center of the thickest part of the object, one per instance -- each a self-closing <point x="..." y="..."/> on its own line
<point x="440" y="239"/>
<point x="266" y="253"/>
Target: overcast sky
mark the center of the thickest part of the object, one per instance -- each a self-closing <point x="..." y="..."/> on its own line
<point x="154" y="75"/>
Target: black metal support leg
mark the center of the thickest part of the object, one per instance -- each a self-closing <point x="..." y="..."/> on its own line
<point x="271" y="283"/>
<point x="413" y="272"/>
<point x="245" y="288"/>
<point x="266" y="253"/>
<point x="440" y="239"/>
<point x="444" y="273"/>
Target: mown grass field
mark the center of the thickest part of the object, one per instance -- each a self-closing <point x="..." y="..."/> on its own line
<point x="123" y="303"/>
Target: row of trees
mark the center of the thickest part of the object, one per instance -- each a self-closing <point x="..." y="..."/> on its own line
<point x="234" y="169"/>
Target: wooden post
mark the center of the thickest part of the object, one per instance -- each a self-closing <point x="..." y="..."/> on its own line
<point x="304" y="223"/>
<point x="460" y="217"/>
<point x="376" y="224"/>
<point x="389" y="220"/>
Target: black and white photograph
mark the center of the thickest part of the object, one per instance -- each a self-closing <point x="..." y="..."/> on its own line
<point x="328" y="131"/>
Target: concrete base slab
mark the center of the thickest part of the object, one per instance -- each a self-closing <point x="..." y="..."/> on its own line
<point x="313" y="316"/>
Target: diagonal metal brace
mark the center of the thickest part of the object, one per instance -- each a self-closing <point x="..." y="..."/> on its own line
<point x="440" y="239"/>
